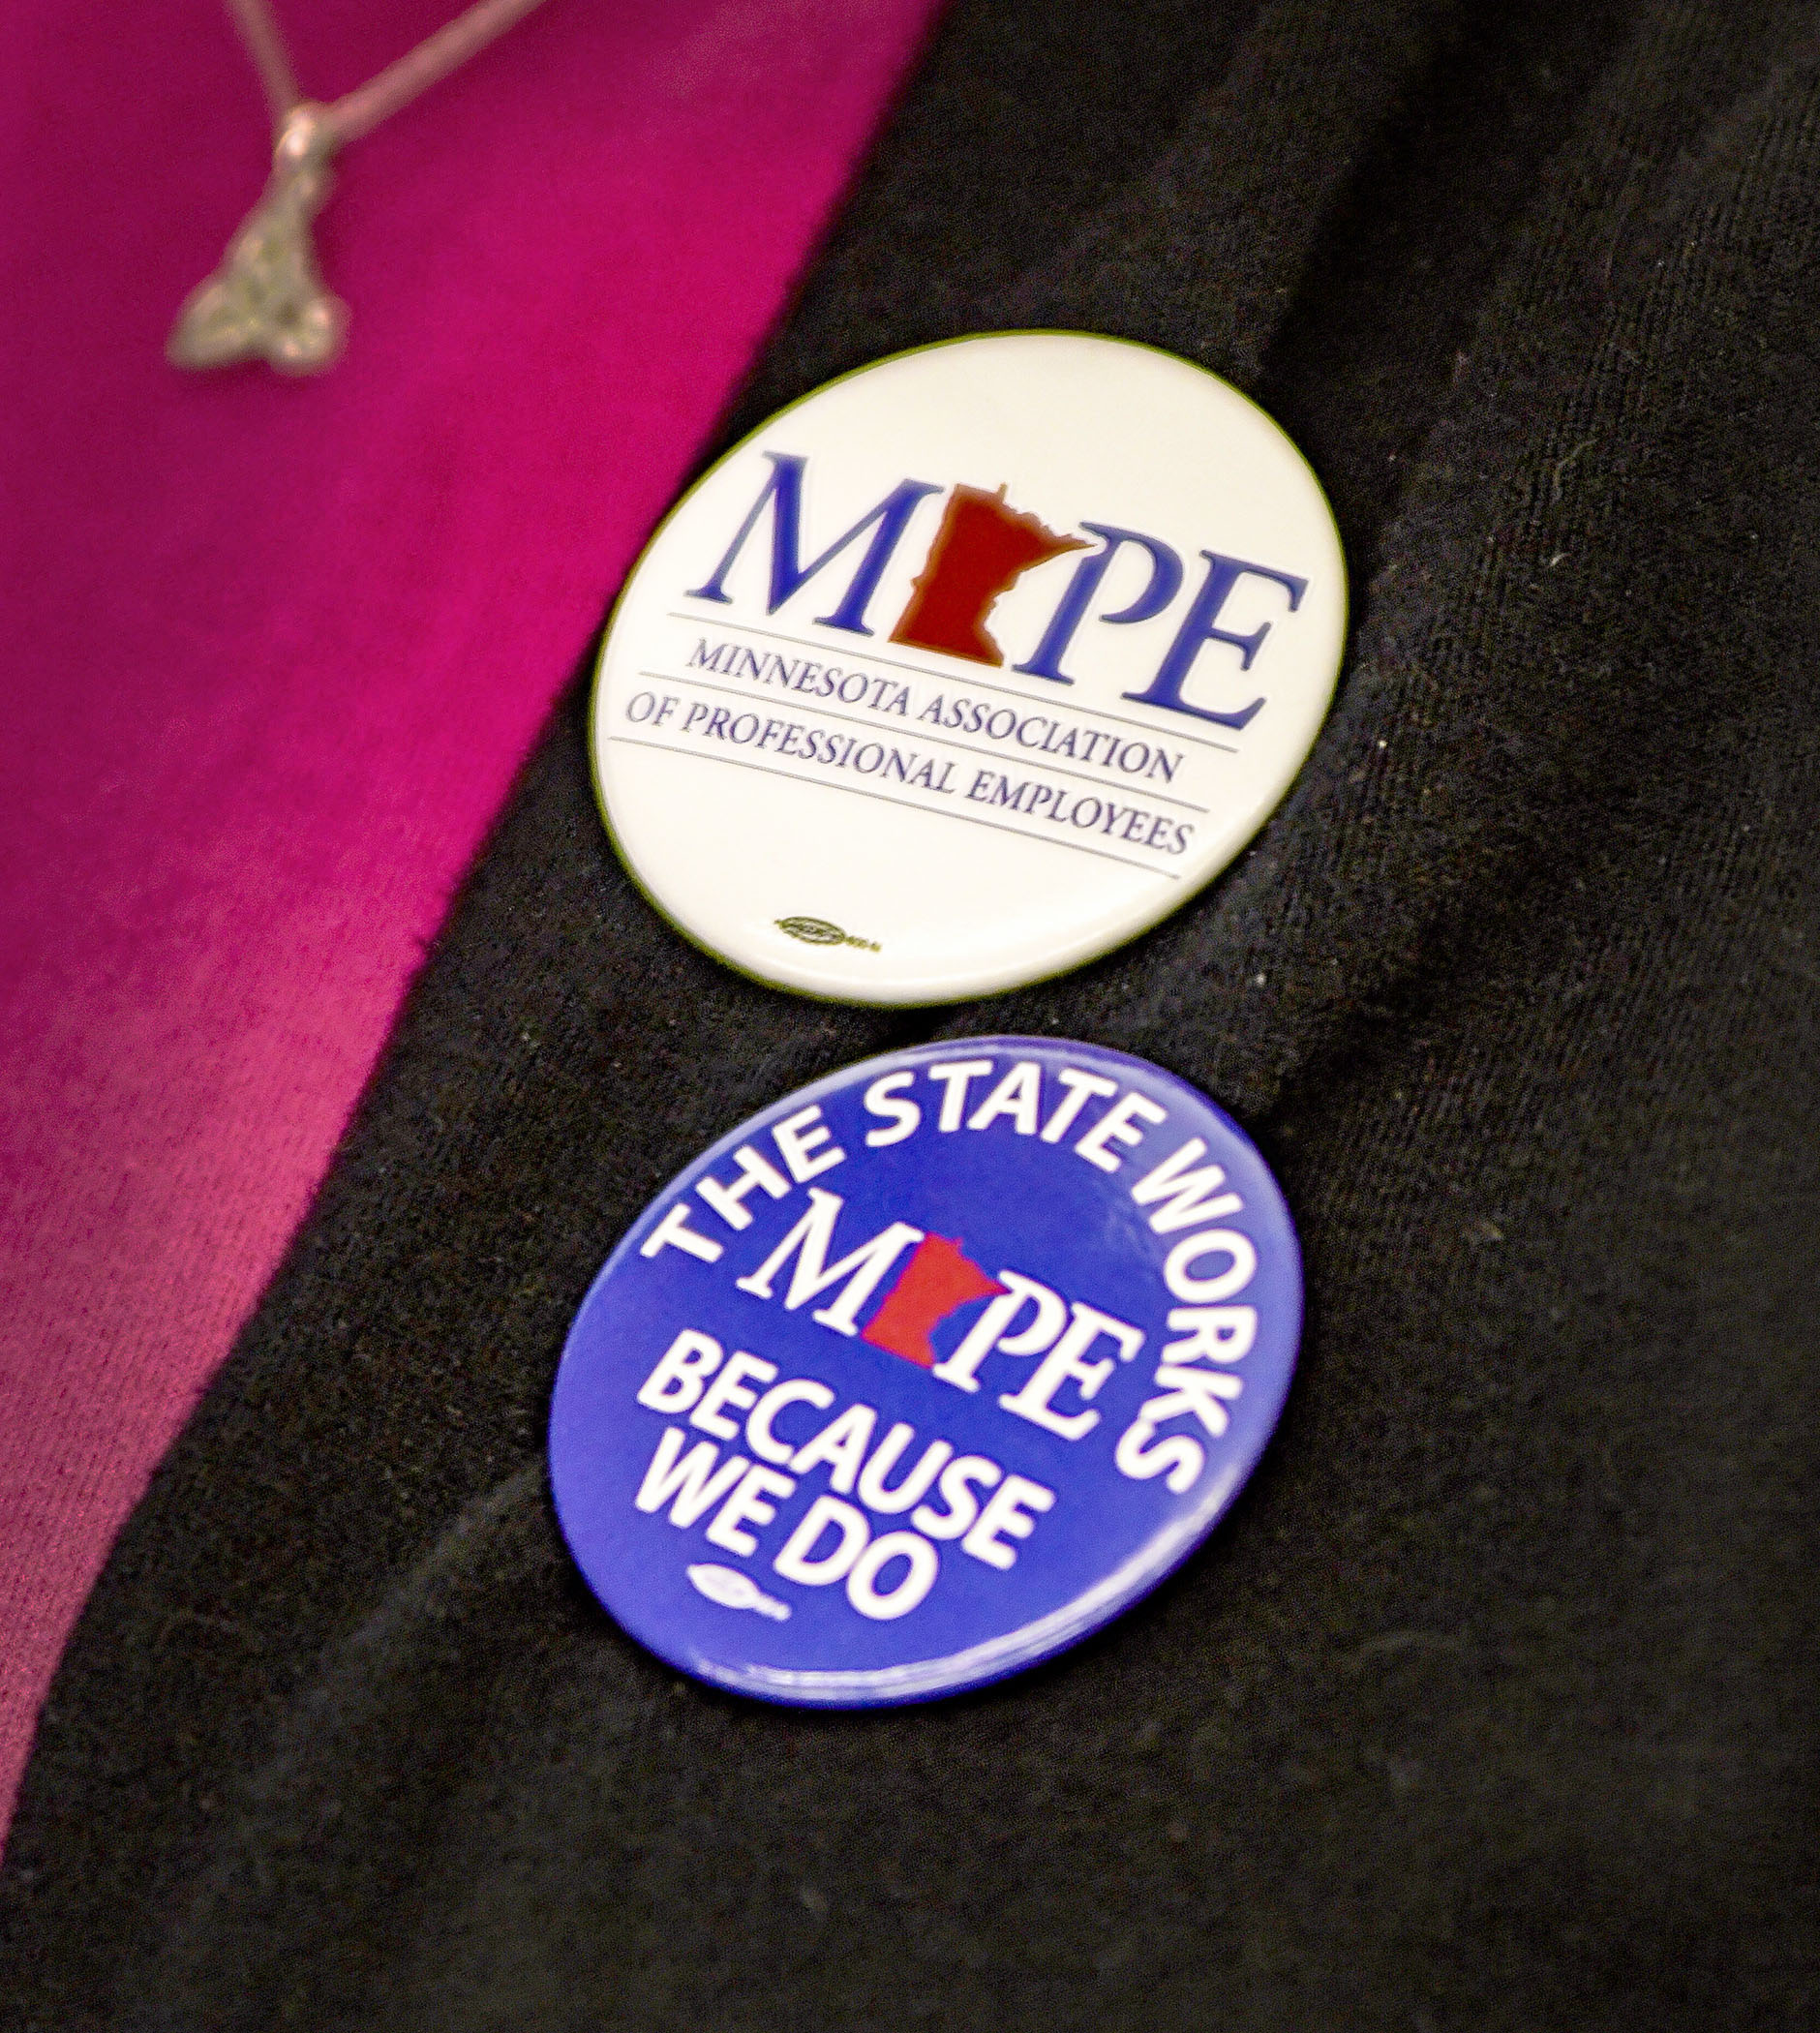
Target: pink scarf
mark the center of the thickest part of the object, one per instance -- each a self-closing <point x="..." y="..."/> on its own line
<point x="274" y="651"/>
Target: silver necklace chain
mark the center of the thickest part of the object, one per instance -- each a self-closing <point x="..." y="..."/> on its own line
<point x="267" y="300"/>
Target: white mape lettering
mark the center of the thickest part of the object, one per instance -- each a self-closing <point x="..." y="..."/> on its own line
<point x="996" y="1329"/>
<point x="863" y="1271"/>
<point x="1063" y="1365"/>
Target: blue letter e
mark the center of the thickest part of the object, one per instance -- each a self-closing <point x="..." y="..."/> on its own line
<point x="1197" y="628"/>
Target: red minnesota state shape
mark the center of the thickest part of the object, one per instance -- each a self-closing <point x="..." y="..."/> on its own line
<point x="937" y="1279"/>
<point x="981" y="549"/>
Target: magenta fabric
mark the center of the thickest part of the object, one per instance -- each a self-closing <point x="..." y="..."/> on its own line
<point x="274" y="650"/>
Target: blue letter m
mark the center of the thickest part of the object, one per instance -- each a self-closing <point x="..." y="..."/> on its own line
<point x="784" y="489"/>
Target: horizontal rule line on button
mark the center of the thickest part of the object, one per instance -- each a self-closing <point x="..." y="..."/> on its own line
<point x="1033" y="758"/>
<point x="923" y="670"/>
<point x="1039" y="839"/>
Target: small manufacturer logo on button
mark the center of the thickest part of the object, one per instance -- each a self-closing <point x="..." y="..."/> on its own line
<point x="817" y="931"/>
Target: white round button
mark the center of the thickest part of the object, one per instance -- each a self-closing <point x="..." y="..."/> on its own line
<point x="968" y="667"/>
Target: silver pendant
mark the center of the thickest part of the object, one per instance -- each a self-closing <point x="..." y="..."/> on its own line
<point x="268" y="299"/>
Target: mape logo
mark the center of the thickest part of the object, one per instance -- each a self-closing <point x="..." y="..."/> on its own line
<point x="982" y="547"/>
<point x="925" y="1372"/>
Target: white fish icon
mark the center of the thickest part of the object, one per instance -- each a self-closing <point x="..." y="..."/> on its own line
<point x="734" y="1590"/>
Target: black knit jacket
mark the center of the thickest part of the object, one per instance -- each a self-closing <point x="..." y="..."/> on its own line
<point x="1491" y="1703"/>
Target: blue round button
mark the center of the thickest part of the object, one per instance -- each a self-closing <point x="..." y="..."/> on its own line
<point x="925" y="1372"/>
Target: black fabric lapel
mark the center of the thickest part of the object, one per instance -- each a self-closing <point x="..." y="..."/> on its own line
<point x="1485" y="1709"/>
